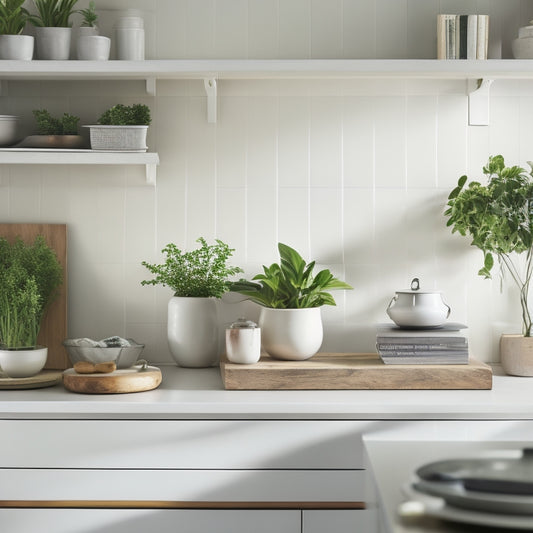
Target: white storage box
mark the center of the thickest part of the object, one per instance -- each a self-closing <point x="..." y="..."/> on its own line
<point x="118" y="138"/>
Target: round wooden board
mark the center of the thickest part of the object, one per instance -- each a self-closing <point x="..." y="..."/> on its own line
<point x="133" y="379"/>
<point x="43" y="379"/>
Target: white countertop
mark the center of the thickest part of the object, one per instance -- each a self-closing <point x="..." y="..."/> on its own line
<point x="199" y="393"/>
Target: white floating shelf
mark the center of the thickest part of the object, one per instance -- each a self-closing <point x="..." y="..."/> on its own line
<point x="30" y="156"/>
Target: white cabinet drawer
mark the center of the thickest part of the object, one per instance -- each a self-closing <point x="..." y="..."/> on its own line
<point x="205" y="444"/>
<point x="143" y="520"/>
<point x="340" y="521"/>
<point x="181" y="485"/>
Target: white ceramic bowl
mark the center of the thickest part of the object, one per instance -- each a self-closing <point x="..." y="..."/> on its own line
<point x="123" y="357"/>
<point x="523" y="48"/>
<point x="8" y="130"/>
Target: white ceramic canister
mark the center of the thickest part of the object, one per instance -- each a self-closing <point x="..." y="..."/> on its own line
<point x="129" y="36"/>
<point x="243" y="342"/>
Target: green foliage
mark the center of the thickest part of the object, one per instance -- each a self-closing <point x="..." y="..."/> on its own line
<point x="202" y="272"/>
<point x="13" y="17"/>
<point x="89" y="15"/>
<point x="290" y="284"/>
<point x="48" y="125"/>
<point x="121" y="115"/>
<point x="30" y="276"/>
<point x="53" y="13"/>
<point x="499" y="219"/>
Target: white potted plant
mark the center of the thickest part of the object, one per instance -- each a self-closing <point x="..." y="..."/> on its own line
<point x="53" y="28"/>
<point x="13" y="19"/>
<point x="30" y="275"/>
<point x="498" y="217"/>
<point x="291" y="299"/>
<point x="198" y="278"/>
<point x="121" y="128"/>
<point x="90" y="45"/>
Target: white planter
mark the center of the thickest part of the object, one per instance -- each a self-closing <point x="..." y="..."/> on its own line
<point x="23" y="363"/>
<point x="291" y="334"/>
<point x="53" y="43"/>
<point x="516" y="354"/>
<point x="193" y="332"/>
<point x="118" y="138"/>
<point x="93" y="48"/>
<point x="18" y="47"/>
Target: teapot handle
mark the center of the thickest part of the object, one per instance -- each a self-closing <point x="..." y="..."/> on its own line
<point x="394" y="298"/>
<point x="449" y="309"/>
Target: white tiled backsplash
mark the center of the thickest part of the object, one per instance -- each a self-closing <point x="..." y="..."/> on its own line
<point x="354" y="174"/>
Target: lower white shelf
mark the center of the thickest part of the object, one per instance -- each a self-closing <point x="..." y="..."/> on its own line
<point x="27" y="156"/>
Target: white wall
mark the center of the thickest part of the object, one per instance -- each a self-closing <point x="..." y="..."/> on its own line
<point x="354" y="174"/>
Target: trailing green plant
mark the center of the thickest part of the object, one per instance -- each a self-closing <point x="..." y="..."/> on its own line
<point x="122" y="115"/>
<point x="30" y="276"/>
<point x="202" y="272"/>
<point x="498" y="217"/>
<point x="290" y="284"/>
<point x="90" y="18"/>
<point x="49" y="125"/>
<point x="53" y="13"/>
<point x="13" y="17"/>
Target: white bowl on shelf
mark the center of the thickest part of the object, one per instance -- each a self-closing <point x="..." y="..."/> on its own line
<point x="8" y="130"/>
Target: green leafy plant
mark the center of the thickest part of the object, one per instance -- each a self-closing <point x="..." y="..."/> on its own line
<point x="49" y="125"/>
<point x="90" y="17"/>
<point x="290" y="284"/>
<point x="13" y="17"/>
<point x="53" y="13"/>
<point x="202" y="272"/>
<point x="30" y="275"/>
<point x="122" y="115"/>
<point x="498" y="217"/>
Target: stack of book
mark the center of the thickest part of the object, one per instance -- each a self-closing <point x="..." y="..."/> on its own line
<point x="462" y="36"/>
<point x="444" y="346"/>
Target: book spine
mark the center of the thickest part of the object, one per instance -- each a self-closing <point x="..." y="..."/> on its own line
<point x="462" y="22"/>
<point x="420" y="347"/>
<point x="385" y="339"/>
<point x="450" y="43"/>
<point x="421" y="361"/>
<point x="482" y="36"/>
<point x="471" y="39"/>
<point x="441" y="36"/>
<point x="426" y="355"/>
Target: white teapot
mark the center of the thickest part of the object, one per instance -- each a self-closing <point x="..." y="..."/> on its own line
<point x="414" y="308"/>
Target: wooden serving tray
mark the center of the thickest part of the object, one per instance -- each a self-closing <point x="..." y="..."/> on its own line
<point x="46" y="378"/>
<point x="335" y="371"/>
<point x="134" y="379"/>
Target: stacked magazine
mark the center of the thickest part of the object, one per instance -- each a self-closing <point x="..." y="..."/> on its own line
<point x="462" y="36"/>
<point x="447" y="345"/>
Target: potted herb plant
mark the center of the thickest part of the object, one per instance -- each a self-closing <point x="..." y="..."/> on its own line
<point x="30" y="275"/>
<point x="54" y="132"/>
<point x="121" y="128"/>
<point x="291" y="298"/>
<point x="53" y="28"/>
<point x="198" y="278"/>
<point x="498" y="217"/>
<point x="90" y="45"/>
<point x="13" y="19"/>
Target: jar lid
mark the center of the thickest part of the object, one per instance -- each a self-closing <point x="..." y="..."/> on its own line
<point x="243" y="323"/>
<point x="415" y="289"/>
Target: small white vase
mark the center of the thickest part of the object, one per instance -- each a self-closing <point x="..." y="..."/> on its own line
<point x="23" y="363"/>
<point x="18" y="47"/>
<point x="53" y="43"/>
<point x="192" y="331"/>
<point x="291" y="334"/>
<point x="93" y="48"/>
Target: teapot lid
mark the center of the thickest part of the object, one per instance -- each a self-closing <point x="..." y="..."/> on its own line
<point x="243" y="323"/>
<point x="415" y="289"/>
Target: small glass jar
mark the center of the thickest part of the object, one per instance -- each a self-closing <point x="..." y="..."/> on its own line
<point x="243" y="342"/>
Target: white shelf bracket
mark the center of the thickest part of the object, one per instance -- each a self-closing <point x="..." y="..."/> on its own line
<point x="151" y="173"/>
<point x="478" y="102"/>
<point x="151" y="86"/>
<point x="210" y="85"/>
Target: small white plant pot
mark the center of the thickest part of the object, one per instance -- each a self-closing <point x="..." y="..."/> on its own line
<point x="53" y="43"/>
<point x="18" y="47"/>
<point x="118" y="138"/>
<point x="516" y="354"/>
<point x="93" y="48"/>
<point x="291" y="334"/>
<point x="23" y="363"/>
<point x="192" y="331"/>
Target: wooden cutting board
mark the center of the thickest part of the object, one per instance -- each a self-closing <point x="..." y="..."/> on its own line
<point x="351" y="371"/>
<point x="134" y="379"/>
<point x="54" y="325"/>
<point x="46" y="378"/>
